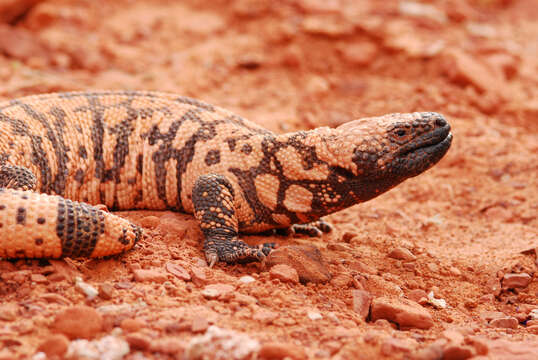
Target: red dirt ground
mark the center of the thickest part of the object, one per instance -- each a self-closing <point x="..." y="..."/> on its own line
<point x="463" y="229"/>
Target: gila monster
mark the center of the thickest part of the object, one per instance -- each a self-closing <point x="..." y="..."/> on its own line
<point x="61" y="152"/>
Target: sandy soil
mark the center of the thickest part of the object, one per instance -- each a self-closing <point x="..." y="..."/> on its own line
<point x="467" y="230"/>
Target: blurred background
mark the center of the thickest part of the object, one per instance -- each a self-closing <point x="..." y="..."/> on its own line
<point x="287" y="63"/>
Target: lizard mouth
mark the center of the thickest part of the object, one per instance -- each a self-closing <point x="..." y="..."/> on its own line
<point x="431" y="145"/>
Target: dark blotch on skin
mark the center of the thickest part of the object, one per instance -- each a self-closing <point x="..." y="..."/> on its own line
<point x="212" y="157"/>
<point x="82" y="152"/>
<point x="39" y="241"/>
<point x="41" y="220"/>
<point x="21" y="216"/>
<point x="139" y="163"/>
<point x="79" y="175"/>
<point x="246" y="149"/>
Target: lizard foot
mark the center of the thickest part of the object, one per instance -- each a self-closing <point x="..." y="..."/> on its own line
<point x="235" y="251"/>
<point x="313" y="229"/>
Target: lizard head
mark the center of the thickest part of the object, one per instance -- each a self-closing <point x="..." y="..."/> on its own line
<point x="381" y="152"/>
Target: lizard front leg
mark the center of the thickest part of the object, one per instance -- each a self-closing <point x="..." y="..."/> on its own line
<point x="213" y="200"/>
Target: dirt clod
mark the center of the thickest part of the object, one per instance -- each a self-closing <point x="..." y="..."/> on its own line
<point x="78" y="322"/>
<point x="405" y="313"/>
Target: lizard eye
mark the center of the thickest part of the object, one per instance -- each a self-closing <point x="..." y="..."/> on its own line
<point x="400" y="132"/>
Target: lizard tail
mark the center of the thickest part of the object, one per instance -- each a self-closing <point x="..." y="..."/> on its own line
<point x="34" y="225"/>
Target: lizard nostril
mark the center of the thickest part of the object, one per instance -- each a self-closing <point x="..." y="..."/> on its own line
<point x="440" y="122"/>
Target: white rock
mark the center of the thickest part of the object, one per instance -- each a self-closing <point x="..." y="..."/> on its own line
<point x="88" y="290"/>
<point x="438" y="303"/>
<point x="39" y="356"/>
<point x="246" y="279"/>
<point x="411" y="8"/>
<point x="106" y="348"/>
<point x="314" y="315"/>
<point x="220" y="344"/>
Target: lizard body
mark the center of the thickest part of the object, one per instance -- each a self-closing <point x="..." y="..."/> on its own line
<point x="147" y="150"/>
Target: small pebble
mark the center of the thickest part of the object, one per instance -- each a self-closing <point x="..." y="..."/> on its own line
<point x="317" y="85"/>
<point x="199" y="324"/>
<point x="406" y="313"/>
<point x="199" y="276"/>
<point x="215" y="340"/>
<point x="505" y="322"/>
<point x="214" y="291"/>
<point x="284" y="273"/>
<point x="108" y="347"/>
<point x="342" y="280"/>
<point x="106" y="291"/>
<point x="78" y="322"/>
<point x="8" y="312"/>
<point x="178" y="271"/>
<point x="360" y="53"/>
<point x="491" y="315"/>
<point x="453" y="336"/>
<point x="132" y="325"/>
<point x="348" y="235"/>
<point x="486" y="299"/>
<point x="402" y="254"/>
<point x="55" y="298"/>
<point x="432" y="267"/>
<point x="171" y="224"/>
<point x="279" y="350"/>
<point x="520" y="280"/>
<point x="138" y="341"/>
<point x="123" y="285"/>
<point x="245" y="299"/>
<point x="55" y="277"/>
<point x="38" y="278"/>
<point x="150" y="275"/>
<point x="246" y="279"/>
<point x="305" y="259"/>
<point x="437" y="303"/>
<point x="265" y="316"/>
<point x="339" y="246"/>
<point x="455" y="271"/>
<point x="54" y="345"/>
<point x="417" y="294"/>
<point x="361" y="302"/>
<point x="457" y="352"/>
<point x="85" y="288"/>
<point x="314" y="315"/>
<point x="150" y="222"/>
<point x="432" y="352"/>
<point x="391" y="345"/>
<point x="171" y="346"/>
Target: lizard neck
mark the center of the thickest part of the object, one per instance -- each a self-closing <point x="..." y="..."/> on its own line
<point x="301" y="179"/>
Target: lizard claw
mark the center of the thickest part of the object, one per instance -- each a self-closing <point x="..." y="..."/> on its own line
<point x="212" y="259"/>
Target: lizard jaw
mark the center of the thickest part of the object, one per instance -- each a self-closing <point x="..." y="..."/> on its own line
<point x="437" y="140"/>
<point x="426" y="151"/>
